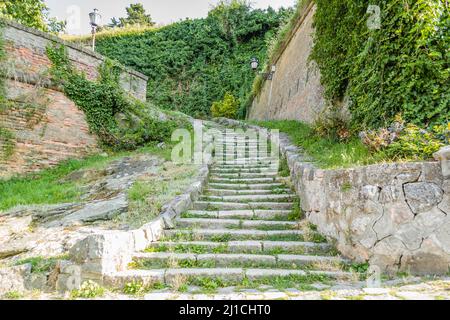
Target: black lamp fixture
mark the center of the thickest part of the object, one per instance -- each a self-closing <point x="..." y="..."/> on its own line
<point x="94" y="18"/>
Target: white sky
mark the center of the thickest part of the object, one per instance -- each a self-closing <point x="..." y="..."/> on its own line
<point x="162" y="11"/>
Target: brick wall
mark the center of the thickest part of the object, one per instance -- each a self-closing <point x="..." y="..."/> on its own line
<point x="58" y="129"/>
<point x="295" y="91"/>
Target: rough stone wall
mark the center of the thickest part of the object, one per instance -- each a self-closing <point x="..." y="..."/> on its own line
<point x="295" y="91"/>
<point x="394" y="215"/>
<point x="47" y="127"/>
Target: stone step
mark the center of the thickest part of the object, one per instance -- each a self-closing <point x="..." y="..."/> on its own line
<point x="242" y="214"/>
<point x="229" y="275"/>
<point x="245" y="180"/>
<point x="248" y="166"/>
<point x="246" y="186"/>
<point x="247" y="246"/>
<point x="240" y="146"/>
<point x="251" y="198"/>
<point x="217" y="206"/>
<point x="246" y="161"/>
<point x="229" y="192"/>
<point x="225" y="235"/>
<point x="233" y="223"/>
<point x="244" y="170"/>
<point x="212" y="260"/>
<point x="244" y="175"/>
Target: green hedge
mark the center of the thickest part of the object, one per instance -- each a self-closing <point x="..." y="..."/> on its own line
<point x="403" y="67"/>
<point x="193" y="63"/>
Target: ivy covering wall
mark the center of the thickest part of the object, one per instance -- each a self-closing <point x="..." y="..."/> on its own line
<point x="120" y="121"/>
<point x="192" y="63"/>
<point x="402" y="67"/>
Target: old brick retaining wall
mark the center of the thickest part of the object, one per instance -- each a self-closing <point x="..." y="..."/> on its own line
<point x="47" y="127"/>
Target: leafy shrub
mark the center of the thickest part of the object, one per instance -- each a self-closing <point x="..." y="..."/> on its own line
<point x="89" y="289"/>
<point x="134" y="288"/>
<point x="406" y="141"/>
<point x="332" y="124"/>
<point x="402" y="67"/>
<point x="226" y="108"/>
<point x="416" y="143"/>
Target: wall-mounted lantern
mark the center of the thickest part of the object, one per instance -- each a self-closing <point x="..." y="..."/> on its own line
<point x="94" y="18"/>
<point x="254" y="63"/>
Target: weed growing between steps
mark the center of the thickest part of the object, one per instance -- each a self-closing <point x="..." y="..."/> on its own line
<point x="208" y="285"/>
<point x="224" y="248"/>
<point x="42" y="264"/>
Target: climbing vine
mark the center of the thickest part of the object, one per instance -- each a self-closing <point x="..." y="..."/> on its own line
<point x="402" y="67"/>
<point x="104" y="103"/>
<point x="2" y="69"/>
<point x="7" y="139"/>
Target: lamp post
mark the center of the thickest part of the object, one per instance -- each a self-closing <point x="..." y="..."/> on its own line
<point x="94" y="18"/>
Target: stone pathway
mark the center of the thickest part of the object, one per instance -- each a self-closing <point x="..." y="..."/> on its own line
<point x="243" y="233"/>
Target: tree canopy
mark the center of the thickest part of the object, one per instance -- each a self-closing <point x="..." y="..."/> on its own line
<point x="136" y="15"/>
<point x="194" y="62"/>
<point x="31" y="13"/>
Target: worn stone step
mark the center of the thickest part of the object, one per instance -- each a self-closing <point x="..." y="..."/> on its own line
<point x="149" y="260"/>
<point x="231" y="276"/>
<point x="247" y="186"/>
<point x="242" y="214"/>
<point x="245" y="180"/>
<point x="221" y="175"/>
<point x="231" y="148"/>
<point x="233" y="223"/>
<point x="217" y="206"/>
<point x="246" y="161"/>
<point x="249" y="246"/>
<point x="244" y="170"/>
<point x="251" y="198"/>
<point x="247" y="166"/>
<point x="229" y="192"/>
<point x="225" y="235"/>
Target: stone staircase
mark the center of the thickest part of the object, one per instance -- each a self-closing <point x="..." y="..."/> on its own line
<point x="246" y="227"/>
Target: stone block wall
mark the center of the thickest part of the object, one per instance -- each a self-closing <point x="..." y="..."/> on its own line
<point x="393" y="215"/>
<point x="295" y="92"/>
<point x="47" y="127"/>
